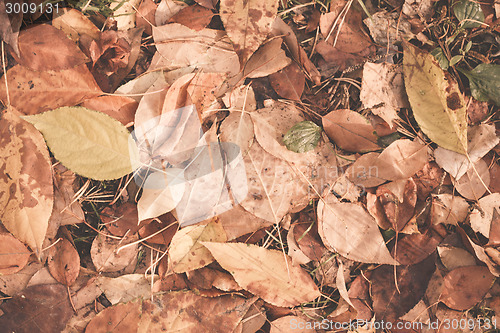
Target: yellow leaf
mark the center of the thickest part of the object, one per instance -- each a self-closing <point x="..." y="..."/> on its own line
<point x="438" y="106"/>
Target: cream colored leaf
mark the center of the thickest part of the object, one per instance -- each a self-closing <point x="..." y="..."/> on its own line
<point x="26" y="190"/>
<point x="401" y="159"/>
<point x="351" y="231"/>
<point x="125" y="288"/>
<point x="265" y="273"/>
<point x="74" y="23"/>
<point x="437" y="103"/>
<point x="90" y="143"/>
<point x="186" y="250"/>
<point x="248" y="22"/>
<point x="167" y="9"/>
<point x="448" y="209"/>
<point x="481" y="216"/>
<point x="124" y="13"/>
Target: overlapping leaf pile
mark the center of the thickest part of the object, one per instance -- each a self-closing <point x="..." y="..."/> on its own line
<point x="387" y="221"/>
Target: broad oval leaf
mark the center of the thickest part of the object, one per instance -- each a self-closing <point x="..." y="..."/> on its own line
<point x="265" y="273"/>
<point x="302" y="137"/>
<point x="438" y="106"/>
<point x="89" y="143"/>
<point x="485" y="82"/>
<point x="469" y="13"/>
<point x="26" y="190"/>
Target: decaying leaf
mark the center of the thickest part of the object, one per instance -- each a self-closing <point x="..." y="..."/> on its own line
<point x="64" y="262"/>
<point x="109" y="256"/>
<point x="26" y="190"/>
<point x="13" y="254"/>
<point x="87" y="142"/>
<point x="74" y="24"/>
<point x="348" y="229"/>
<point x="482" y="215"/>
<point x="247" y="23"/>
<point x="265" y="273"/>
<point x="437" y="103"/>
<point x="186" y="250"/>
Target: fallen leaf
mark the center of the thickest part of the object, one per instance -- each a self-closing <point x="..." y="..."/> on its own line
<point x="414" y="248"/>
<point x="472" y="184"/>
<point x="33" y="92"/>
<point x="41" y="308"/>
<point x="14" y="255"/>
<point x="109" y="256"/>
<point x="145" y="16"/>
<point x="208" y="49"/>
<point x="398" y="200"/>
<point x="437" y="103"/>
<point x="121" y="317"/>
<point x="288" y="82"/>
<point x="466" y="286"/>
<point x="121" y="108"/>
<point x="26" y="189"/>
<point x="455" y="257"/>
<point x="137" y="88"/>
<point x="125" y="288"/>
<point x="8" y="32"/>
<point x="64" y="262"/>
<point x="98" y="144"/>
<point x="74" y="24"/>
<point x="247" y="23"/>
<point x="448" y="209"/>
<point x="238" y="129"/>
<point x="348" y="229"/>
<point x="350" y="131"/>
<point x="387" y="28"/>
<point x="194" y="17"/>
<point x="401" y="159"/>
<point x="186" y="250"/>
<point x="268" y="59"/>
<point x="15" y="283"/>
<point x="302" y="137"/>
<point x="238" y="222"/>
<point x="469" y="13"/>
<point x="166" y="9"/>
<point x="265" y="273"/>
<point x="163" y="228"/>
<point x="391" y="302"/>
<point x="123" y="14"/>
<point x="482" y="215"/>
<point x="43" y="48"/>
<point x="382" y="90"/>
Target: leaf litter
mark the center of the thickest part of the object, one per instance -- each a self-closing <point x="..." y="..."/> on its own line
<point x="247" y="166"/>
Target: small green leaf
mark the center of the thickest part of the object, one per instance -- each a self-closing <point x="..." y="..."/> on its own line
<point x="469" y="13"/>
<point x="440" y="57"/>
<point x="302" y="137"/>
<point x="456" y="59"/>
<point x="468" y="47"/>
<point x="485" y="82"/>
<point x="90" y="143"/>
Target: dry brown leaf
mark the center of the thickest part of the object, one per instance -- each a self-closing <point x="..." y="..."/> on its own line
<point x="105" y="254"/>
<point x="14" y="255"/>
<point x="41" y="308"/>
<point x="74" y="24"/>
<point x="448" y="209"/>
<point x="64" y="262"/>
<point x="364" y="171"/>
<point x="166" y="9"/>
<point x="383" y="91"/>
<point x="391" y="302"/>
<point x="288" y="82"/>
<point x="268" y="59"/>
<point x="482" y="215"/>
<point x="265" y="273"/>
<point x="298" y="257"/>
<point x="164" y="228"/>
<point x="455" y="257"/>
<point x="350" y="131"/>
<point x="26" y="190"/>
<point x="247" y="23"/>
<point x="194" y="17"/>
<point x="145" y="16"/>
<point x="121" y="108"/>
<point x="210" y="4"/>
<point x="125" y="288"/>
<point x="15" y="283"/>
<point x="33" y="92"/>
<point x="8" y="31"/>
<point x="401" y="159"/>
<point x="466" y="286"/>
<point x="472" y="184"/>
<point x="238" y="222"/>
<point x="186" y="251"/>
<point x="206" y="278"/>
<point x="44" y="47"/>
<point x="118" y="318"/>
<point x="238" y="129"/>
<point x="414" y="248"/>
<point x="398" y="200"/>
<point x="208" y="50"/>
<point x="348" y="229"/>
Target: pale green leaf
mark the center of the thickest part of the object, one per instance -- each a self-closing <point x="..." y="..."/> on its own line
<point x="302" y="137"/>
<point x="438" y="106"/>
<point x="485" y="82"/>
<point x="441" y="58"/>
<point x="90" y="143"/>
<point x="469" y="13"/>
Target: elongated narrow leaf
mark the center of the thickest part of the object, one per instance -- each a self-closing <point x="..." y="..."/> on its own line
<point x="438" y="106"/>
<point x="90" y="143"/>
<point x="26" y="190"/>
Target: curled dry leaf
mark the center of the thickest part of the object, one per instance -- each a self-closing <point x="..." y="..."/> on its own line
<point x="13" y="255"/>
<point x="265" y="273"/>
<point x="437" y="103"/>
<point x="109" y="256"/>
<point x="466" y="286"/>
<point x="44" y="47"/>
<point x="64" y="262"/>
<point x="348" y="229"/>
<point x="33" y="92"/>
<point x="350" y="131"/>
<point x="186" y="250"/>
<point x="209" y="50"/>
<point x="26" y="190"/>
<point x="40" y="308"/>
<point x="247" y="23"/>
